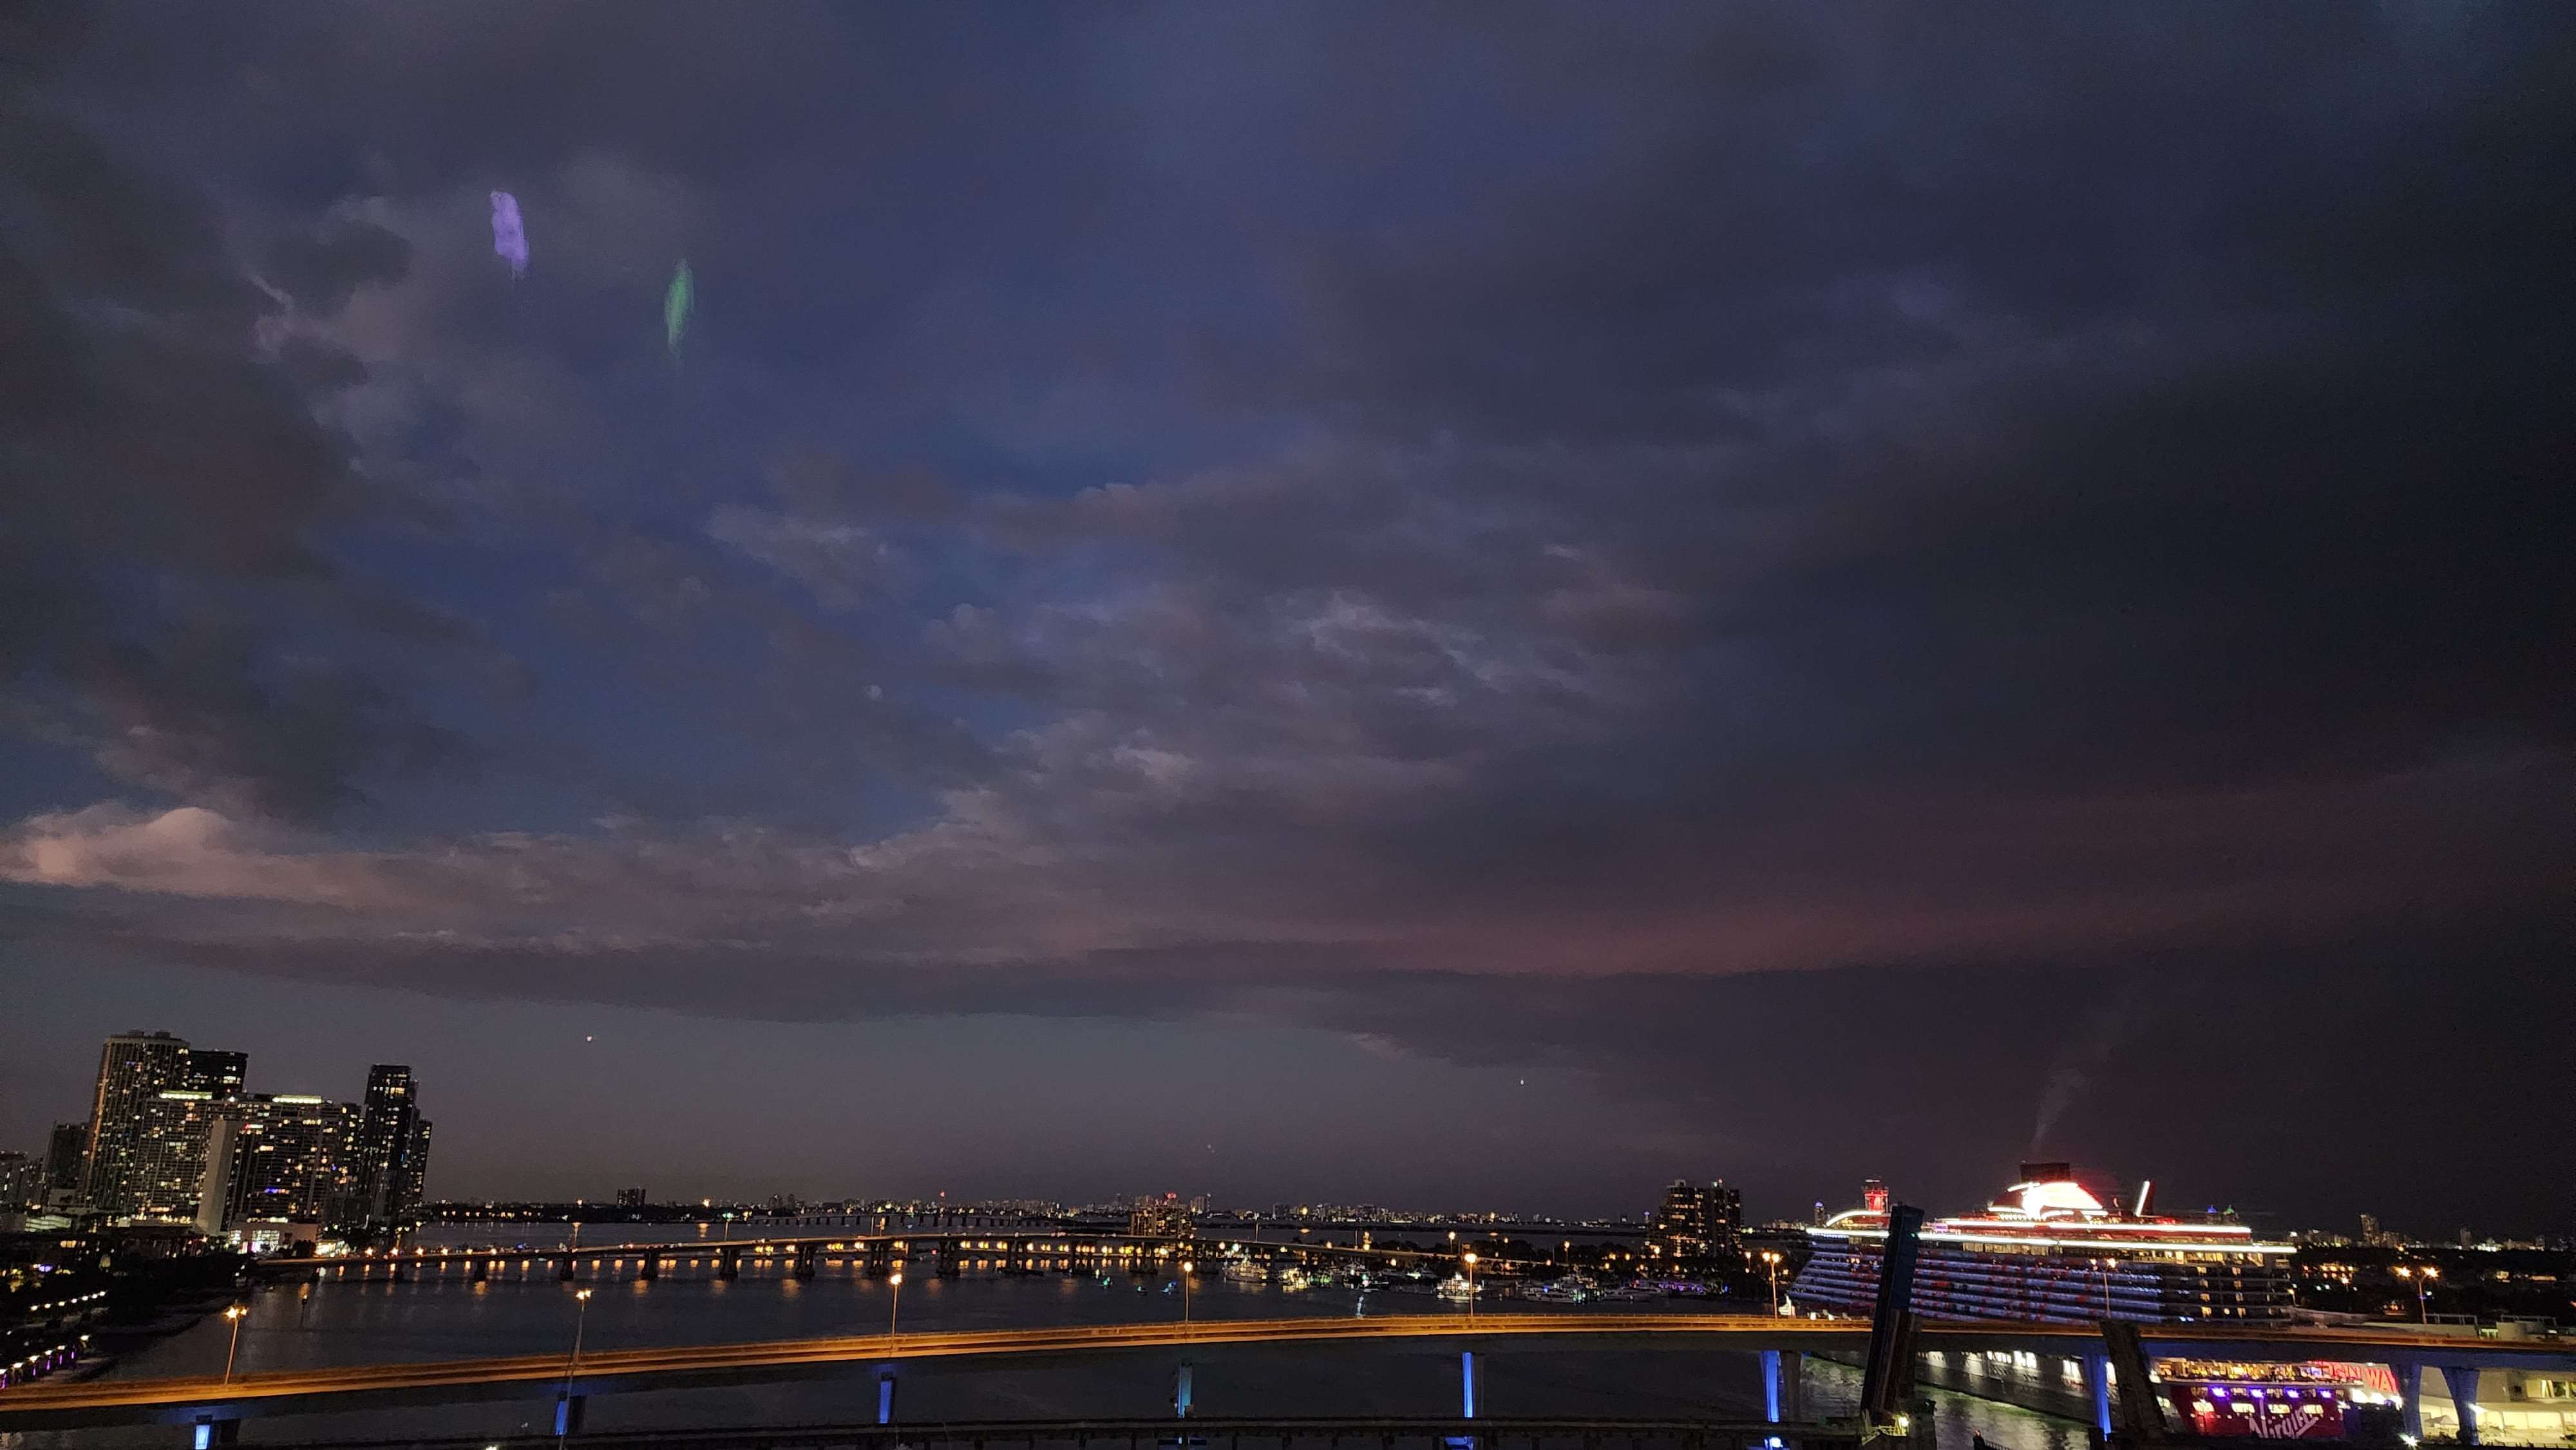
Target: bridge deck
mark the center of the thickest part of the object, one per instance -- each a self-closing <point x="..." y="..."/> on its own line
<point x="1262" y="1433"/>
<point x="42" y="1405"/>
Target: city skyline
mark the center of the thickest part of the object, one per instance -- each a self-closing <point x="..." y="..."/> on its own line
<point x="1493" y="606"/>
<point x="378" y="1151"/>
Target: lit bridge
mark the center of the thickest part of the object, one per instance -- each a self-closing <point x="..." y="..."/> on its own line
<point x="215" y="1405"/>
<point x="951" y="1250"/>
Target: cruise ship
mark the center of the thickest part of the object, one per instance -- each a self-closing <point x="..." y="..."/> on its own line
<point x="2050" y="1251"/>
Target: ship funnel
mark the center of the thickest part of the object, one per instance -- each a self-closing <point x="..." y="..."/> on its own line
<point x="2047" y="1172"/>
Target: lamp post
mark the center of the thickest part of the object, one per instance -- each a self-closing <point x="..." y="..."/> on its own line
<point x="894" y="1314"/>
<point x="580" y="1316"/>
<point x="2423" y="1278"/>
<point x="1771" y="1262"/>
<point x="1186" y="1266"/>
<point x="236" y="1313"/>
<point x="1471" y="1283"/>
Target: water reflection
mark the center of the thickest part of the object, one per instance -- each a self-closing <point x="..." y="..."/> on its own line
<point x="348" y="1321"/>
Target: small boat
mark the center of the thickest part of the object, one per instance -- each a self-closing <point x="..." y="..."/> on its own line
<point x="1244" y="1271"/>
<point x="1457" y="1290"/>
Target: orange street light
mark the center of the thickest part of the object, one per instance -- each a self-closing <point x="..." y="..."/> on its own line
<point x="236" y="1313"/>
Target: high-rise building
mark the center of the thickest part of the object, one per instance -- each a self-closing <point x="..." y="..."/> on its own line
<point x="64" y="1153"/>
<point x="218" y="1202"/>
<point x="170" y="1154"/>
<point x="412" y="1182"/>
<point x="630" y="1198"/>
<point x="1680" y="1227"/>
<point x="22" y="1182"/>
<point x="134" y="1068"/>
<point x="1159" y="1218"/>
<point x="217" y="1074"/>
<point x="393" y="1146"/>
<point x="296" y="1159"/>
<point x="1725" y="1219"/>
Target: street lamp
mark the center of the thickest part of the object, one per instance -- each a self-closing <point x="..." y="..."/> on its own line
<point x="580" y="1316"/>
<point x="2423" y="1278"/>
<point x="1771" y="1262"/>
<point x="236" y="1313"/>
<point x="894" y="1315"/>
<point x="1186" y="1266"/>
<point x="1471" y="1283"/>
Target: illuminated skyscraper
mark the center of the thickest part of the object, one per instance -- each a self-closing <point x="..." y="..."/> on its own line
<point x="170" y="1153"/>
<point x="296" y="1159"/>
<point x="217" y="1074"/>
<point x="22" y="1182"/>
<point x="1681" y="1223"/>
<point x="1725" y="1218"/>
<point x="393" y="1147"/>
<point x="134" y="1068"/>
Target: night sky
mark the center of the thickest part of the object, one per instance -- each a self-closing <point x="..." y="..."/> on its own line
<point x="1448" y="605"/>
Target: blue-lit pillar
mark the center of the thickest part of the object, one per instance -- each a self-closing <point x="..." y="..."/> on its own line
<point x="568" y="1410"/>
<point x="1771" y="1386"/>
<point x="2462" y="1381"/>
<point x="2410" y="1396"/>
<point x="1181" y="1391"/>
<point x="2097" y="1372"/>
<point x="211" y="1432"/>
<point x="1467" y="1383"/>
<point x="885" y="1395"/>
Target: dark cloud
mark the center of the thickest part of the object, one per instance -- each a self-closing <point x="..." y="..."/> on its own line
<point x="168" y="484"/>
<point x="322" y="268"/>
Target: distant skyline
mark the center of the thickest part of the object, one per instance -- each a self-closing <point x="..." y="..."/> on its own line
<point x="1459" y="605"/>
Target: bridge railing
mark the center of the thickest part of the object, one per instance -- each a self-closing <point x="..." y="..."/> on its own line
<point x="1356" y="1432"/>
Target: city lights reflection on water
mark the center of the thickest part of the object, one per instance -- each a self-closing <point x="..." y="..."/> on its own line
<point x="439" y="1317"/>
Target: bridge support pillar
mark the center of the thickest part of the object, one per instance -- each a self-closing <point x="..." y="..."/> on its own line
<point x="210" y="1432"/>
<point x="652" y="1267"/>
<point x="2462" y="1381"/>
<point x="2097" y="1380"/>
<point x="2410" y="1396"/>
<point x="729" y="1264"/>
<point x="1467" y="1383"/>
<point x="481" y="1271"/>
<point x="1181" y="1391"/>
<point x="1772" y="1399"/>
<point x="563" y="1268"/>
<point x="806" y="1254"/>
<point x="568" y="1410"/>
<point x="948" y="1255"/>
<point x="885" y="1395"/>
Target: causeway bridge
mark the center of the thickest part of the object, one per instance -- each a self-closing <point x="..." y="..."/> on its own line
<point x="951" y="1251"/>
<point x="215" y="1405"/>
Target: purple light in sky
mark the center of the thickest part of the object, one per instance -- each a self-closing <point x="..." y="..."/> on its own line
<point x="509" y="238"/>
